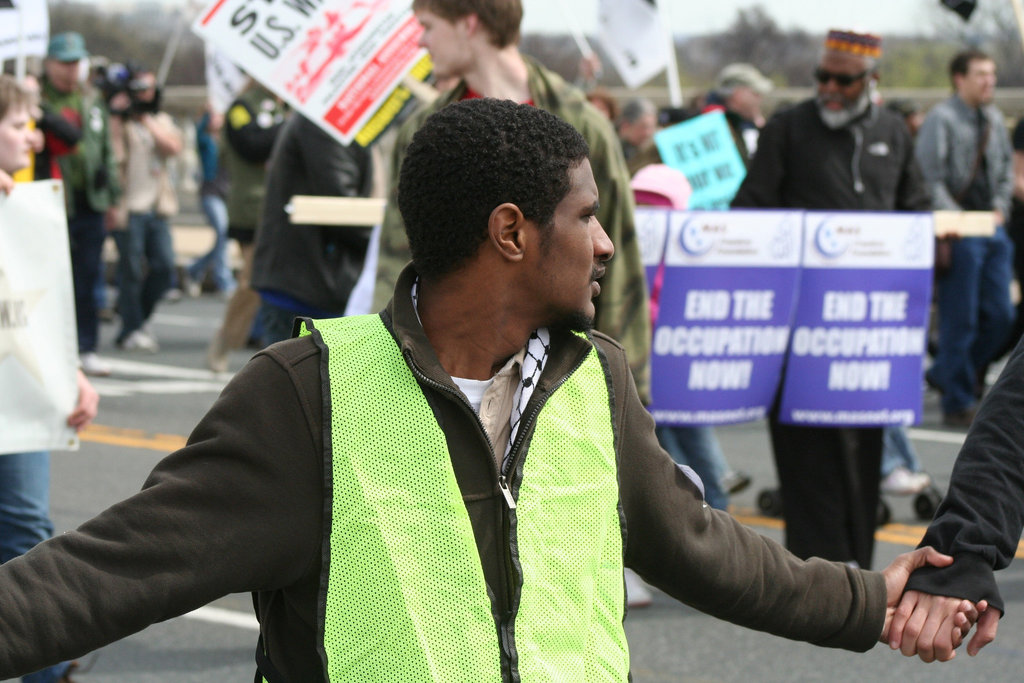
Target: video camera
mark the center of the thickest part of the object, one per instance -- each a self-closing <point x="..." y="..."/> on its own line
<point x="116" y="78"/>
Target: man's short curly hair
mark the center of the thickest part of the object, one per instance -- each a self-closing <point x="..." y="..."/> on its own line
<point x="471" y="157"/>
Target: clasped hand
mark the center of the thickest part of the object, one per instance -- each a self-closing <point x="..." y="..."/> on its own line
<point x="931" y="626"/>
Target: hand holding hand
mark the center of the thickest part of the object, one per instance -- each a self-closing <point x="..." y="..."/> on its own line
<point x="988" y="624"/>
<point x="897" y="573"/>
<point x="933" y="626"/>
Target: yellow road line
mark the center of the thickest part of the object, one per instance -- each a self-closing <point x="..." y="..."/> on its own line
<point x="899" y="534"/>
<point x="132" y="438"/>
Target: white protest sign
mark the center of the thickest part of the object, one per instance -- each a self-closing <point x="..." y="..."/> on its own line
<point x="38" y="344"/>
<point x="224" y="80"/>
<point x="33" y="26"/>
<point x="337" y="63"/>
<point x="631" y="33"/>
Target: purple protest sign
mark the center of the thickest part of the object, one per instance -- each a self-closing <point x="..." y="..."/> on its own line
<point x="861" y="322"/>
<point x="725" y="307"/>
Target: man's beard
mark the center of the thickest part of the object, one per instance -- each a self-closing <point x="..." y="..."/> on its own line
<point x="841" y="118"/>
<point x="577" y="321"/>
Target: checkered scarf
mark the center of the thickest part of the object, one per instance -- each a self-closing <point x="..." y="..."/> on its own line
<point x="537" y="349"/>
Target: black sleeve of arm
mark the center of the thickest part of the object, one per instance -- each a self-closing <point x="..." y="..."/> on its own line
<point x="912" y="194"/>
<point x="239" y="508"/>
<point x="980" y="519"/>
<point x="762" y="186"/>
<point x="58" y="126"/>
<point x="253" y="142"/>
<point x="1018" y="136"/>
<point x="332" y="169"/>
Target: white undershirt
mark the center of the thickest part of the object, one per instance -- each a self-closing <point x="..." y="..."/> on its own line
<point x="474" y="389"/>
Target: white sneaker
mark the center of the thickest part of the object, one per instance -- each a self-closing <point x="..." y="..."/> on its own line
<point x="93" y="365"/>
<point x="903" y="482"/>
<point x="190" y="287"/>
<point x="637" y="594"/>
<point x="139" y="341"/>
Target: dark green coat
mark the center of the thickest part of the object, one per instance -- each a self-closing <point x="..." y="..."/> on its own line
<point x="91" y="167"/>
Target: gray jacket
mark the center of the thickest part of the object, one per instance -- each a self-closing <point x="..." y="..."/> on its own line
<point x="946" y="149"/>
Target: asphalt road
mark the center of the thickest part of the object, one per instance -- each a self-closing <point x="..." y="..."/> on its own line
<point x="151" y="403"/>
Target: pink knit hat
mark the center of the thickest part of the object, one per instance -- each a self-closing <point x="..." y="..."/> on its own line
<point x="664" y="182"/>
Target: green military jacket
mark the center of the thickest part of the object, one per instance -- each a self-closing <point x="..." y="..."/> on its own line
<point x="251" y="125"/>
<point x="622" y="311"/>
<point x="91" y="167"/>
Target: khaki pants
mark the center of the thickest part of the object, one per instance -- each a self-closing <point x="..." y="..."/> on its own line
<point x="238" y="316"/>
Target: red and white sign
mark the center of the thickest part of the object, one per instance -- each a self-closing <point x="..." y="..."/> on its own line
<point x="336" y="62"/>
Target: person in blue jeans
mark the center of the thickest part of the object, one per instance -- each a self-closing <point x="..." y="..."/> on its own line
<point x="901" y="470"/>
<point x="146" y="264"/>
<point x="212" y="194"/>
<point x="966" y="158"/>
<point x="25" y="477"/>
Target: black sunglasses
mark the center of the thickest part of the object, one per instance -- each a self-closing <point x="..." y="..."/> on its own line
<point x="842" y="80"/>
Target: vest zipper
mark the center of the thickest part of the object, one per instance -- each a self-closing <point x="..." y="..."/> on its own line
<point x="503" y="486"/>
<point x="512" y="567"/>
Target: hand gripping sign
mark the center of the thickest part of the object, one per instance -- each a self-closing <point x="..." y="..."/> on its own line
<point x="724" y="308"/>
<point x="339" y="63"/>
<point x="861" y="324"/>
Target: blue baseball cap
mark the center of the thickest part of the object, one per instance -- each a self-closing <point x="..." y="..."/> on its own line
<point x="67" y="47"/>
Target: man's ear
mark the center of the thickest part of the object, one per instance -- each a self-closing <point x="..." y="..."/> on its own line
<point x="508" y="231"/>
<point x="470" y="23"/>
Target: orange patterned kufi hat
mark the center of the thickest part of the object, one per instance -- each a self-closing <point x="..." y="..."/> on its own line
<point x="861" y="44"/>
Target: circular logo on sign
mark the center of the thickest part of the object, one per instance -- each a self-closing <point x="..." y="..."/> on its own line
<point x="920" y="241"/>
<point x="828" y="240"/>
<point x="694" y="240"/>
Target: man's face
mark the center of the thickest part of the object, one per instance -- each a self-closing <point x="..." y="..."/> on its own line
<point x="447" y="42"/>
<point x="978" y="85"/>
<point x="640" y="132"/>
<point x="746" y="102"/>
<point x="842" y="79"/>
<point x="15" y="140"/>
<point x="144" y="86"/>
<point x="63" y="75"/>
<point x="572" y="256"/>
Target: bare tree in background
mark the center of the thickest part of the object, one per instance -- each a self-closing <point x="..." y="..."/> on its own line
<point x="786" y="56"/>
<point x="993" y="29"/>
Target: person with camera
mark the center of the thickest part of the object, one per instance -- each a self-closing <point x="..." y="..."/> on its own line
<point x="90" y="182"/>
<point x="145" y="139"/>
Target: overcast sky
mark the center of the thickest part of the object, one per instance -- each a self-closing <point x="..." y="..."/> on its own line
<point x="703" y="16"/>
<point x="906" y="17"/>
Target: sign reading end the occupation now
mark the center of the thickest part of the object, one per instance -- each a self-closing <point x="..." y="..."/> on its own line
<point x="861" y="323"/>
<point x="729" y="282"/>
<point x="335" y="62"/>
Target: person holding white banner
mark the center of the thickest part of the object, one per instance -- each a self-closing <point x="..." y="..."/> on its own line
<point x="477" y="42"/>
<point x="837" y="151"/>
<point x="25" y="477"/>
